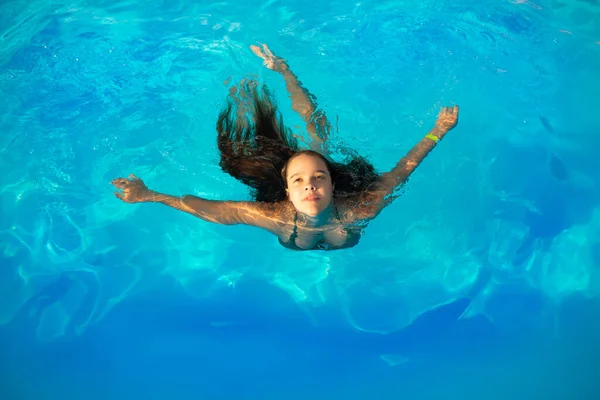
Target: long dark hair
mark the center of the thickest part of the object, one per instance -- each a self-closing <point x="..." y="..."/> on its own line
<point x="257" y="148"/>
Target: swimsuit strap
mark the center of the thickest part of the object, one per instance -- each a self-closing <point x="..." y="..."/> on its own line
<point x="294" y="234"/>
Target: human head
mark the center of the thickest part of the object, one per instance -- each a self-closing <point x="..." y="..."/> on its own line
<point x="308" y="181"/>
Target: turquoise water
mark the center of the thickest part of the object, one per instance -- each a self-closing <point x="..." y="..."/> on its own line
<point x="480" y="281"/>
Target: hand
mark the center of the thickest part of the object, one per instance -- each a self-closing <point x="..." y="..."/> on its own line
<point x="271" y="61"/>
<point x="134" y="190"/>
<point x="447" y="119"/>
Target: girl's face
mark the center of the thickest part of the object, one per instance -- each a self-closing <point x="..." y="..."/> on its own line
<point x="309" y="185"/>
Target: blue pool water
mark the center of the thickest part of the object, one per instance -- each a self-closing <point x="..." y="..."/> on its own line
<point x="480" y="281"/>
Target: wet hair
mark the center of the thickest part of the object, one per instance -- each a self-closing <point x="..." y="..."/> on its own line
<point x="257" y="148"/>
<point x="308" y="153"/>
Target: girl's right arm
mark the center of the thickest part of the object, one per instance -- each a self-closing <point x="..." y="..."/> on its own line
<point x="263" y="215"/>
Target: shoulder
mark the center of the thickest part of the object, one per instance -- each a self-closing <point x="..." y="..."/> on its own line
<point x="270" y="216"/>
<point x="358" y="207"/>
<point x="279" y="210"/>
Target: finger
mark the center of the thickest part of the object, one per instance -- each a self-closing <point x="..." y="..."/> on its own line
<point x="120" y="196"/>
<point x="132" y="177"/>
<point x="120" y="183"/>
<point x="257" y="51"/>
<point x="268" y="51"/>
<point x="455" y="110"/>
<point x="118" y="180"/>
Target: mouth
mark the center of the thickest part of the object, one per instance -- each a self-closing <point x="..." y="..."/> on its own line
<point x="311" y="198"/>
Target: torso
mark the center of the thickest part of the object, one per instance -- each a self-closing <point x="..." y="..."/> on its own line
<point x="336" y="235"/>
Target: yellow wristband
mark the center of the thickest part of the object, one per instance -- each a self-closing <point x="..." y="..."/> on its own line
<point x="432" y="137"/>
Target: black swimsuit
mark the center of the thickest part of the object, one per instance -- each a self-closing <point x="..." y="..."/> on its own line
<point x="352" y="238"/>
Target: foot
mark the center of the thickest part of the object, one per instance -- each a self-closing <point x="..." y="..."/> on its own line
<point x="271" y="61"/>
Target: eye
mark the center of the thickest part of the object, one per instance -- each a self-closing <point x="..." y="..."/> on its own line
<point x="297" y="180"/>
<point x="320" y="176"/>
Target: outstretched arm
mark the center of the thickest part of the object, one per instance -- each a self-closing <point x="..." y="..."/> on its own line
<point x="374" y="200"/>
<point x="302" y="101"/>
<point x="221" y="212"/>
<point x="447" y="119"/>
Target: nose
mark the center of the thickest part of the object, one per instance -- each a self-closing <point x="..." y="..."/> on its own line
<point x="310" y="185"/>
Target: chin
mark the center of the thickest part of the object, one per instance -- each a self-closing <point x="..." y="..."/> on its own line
<point x="308" y="211"/>
<point x="313" y="211"/>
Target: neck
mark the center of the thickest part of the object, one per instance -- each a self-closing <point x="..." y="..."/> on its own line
<point x="323" y="218"/>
